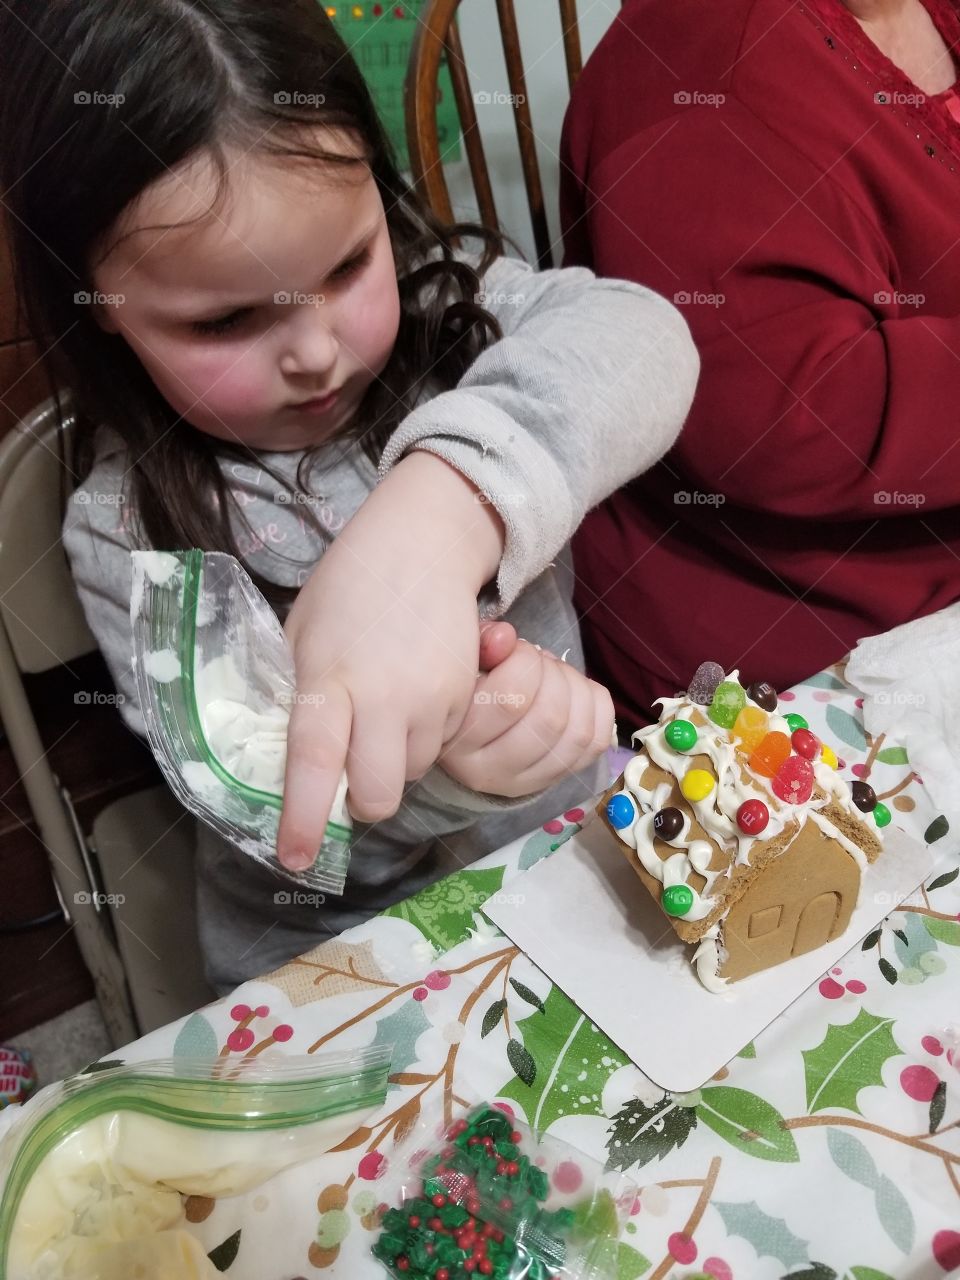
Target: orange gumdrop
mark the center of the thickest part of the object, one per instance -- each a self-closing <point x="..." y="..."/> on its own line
<point x="770" y="754"/>
<point x="751" y="729"/>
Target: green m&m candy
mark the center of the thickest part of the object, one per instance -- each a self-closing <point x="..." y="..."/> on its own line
<point x="881" y="814"/>
<point x="796" y="722"/>
<point x="681" y="735"/>
<point x="677" y="900"/>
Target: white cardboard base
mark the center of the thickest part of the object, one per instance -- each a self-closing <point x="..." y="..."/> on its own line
<point x="584" y="918"/>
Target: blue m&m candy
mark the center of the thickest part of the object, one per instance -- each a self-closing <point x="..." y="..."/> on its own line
<point x="621" y="811"/>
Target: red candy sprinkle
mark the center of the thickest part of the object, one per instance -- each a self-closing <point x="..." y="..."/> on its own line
<point x="516" y="1137"/>
<point x="485" y="1266"/>
<point x="402" y="1263"/>
<point x="439" y="1200"/>
<point x="468" y="1264"/>
<point x="752" y="817"/>
<point x="805" y="743"/>
<point x="441" y="1273"/>
<point x="435" y="1224"/>
<point x="414" y="1220"/>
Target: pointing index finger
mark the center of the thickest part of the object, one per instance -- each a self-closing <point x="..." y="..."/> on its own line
<point x="318" y="736"/>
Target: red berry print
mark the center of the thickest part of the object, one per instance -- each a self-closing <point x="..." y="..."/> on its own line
<point x="262" y="1011"/>
<point x="239" y="1012"/>
<point x="372" y="1166"/>
<point x="919" y="1083"/>
<point x="437" y="980"/>
<point x="568" y="1177"/>
<point x="717" y="1268"/>
<point x="420" y="993"/>
<point x="831" y="989"/>
<point x="554" y="826"/>
<point x="282" y="1033"/>
<point x="240" y="1040"/>
<point x="573" y="815"/>
<point x="856" y="987"/>
<point x="932" y="1045"/>
<point x="946" y="1249"/>
<point x="682" y="1248"/>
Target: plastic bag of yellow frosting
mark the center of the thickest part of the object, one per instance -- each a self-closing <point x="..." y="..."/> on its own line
<point x="95" y="1170"/>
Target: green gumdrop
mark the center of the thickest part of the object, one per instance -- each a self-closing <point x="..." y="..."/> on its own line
<point x="728" y="701"/>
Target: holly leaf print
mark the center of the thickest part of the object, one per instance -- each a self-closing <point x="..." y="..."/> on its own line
<point x="843" y="726"/>
<point x="402" y="1030"/>
<point x="640" y="1133"/>
<point x="573" y="1063"/>
<point x="225" y="1254"/>
<point x="196" y="1039"/>
<point x="443" y="912"/>
<point x="848" y="1059"/>
<point x="770" y="1237"/>
<point x="747" y="1122"/>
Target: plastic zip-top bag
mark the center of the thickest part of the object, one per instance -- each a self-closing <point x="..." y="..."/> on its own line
<point x="95" y="1170"/>
<point x="486" y="1195"/>
<point x="216" y="682"/>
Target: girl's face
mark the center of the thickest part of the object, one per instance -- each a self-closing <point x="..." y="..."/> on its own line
<point x="265" y="321"/>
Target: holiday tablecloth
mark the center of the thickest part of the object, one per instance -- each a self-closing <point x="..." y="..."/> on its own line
<point x="830" y="1147"/>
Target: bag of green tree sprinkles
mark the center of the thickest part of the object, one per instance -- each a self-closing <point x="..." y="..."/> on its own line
<point x="486" y="1204"/>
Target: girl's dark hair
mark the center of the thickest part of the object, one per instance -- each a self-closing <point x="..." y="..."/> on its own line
<point x="197" y="76"/>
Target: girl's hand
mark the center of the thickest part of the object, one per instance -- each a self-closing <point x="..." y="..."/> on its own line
<point x="534" y="721"/>
<point x="386" y="637"/>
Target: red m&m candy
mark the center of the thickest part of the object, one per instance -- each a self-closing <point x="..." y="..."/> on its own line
<point x="805" y="743"/>
<point x="752" y="817"/>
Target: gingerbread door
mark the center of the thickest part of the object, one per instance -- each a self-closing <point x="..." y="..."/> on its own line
<point x="795" y="904"/>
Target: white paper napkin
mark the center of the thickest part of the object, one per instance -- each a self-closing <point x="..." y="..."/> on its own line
<point x="910" y="681"/>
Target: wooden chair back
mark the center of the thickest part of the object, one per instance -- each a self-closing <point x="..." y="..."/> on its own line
<point x="437" y="35"/>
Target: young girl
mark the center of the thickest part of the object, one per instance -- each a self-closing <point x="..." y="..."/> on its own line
<point x="275" y="350"/>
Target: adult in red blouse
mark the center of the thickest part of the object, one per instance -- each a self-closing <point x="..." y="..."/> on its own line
<point x="789" y="172"/>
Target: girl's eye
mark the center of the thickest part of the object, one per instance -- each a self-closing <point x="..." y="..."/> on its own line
<point x="221" y="324"/>
<point x="352" y="266"/>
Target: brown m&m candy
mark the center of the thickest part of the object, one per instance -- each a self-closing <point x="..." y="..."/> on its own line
<point x="763" y="694"/>
<point x="864" y="796"/>
<point x="668" y="823"/>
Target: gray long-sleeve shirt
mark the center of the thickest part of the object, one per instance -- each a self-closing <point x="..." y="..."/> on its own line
<point x="588" y="387"/>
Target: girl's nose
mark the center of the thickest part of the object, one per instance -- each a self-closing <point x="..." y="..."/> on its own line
<point x="310" y="348"/>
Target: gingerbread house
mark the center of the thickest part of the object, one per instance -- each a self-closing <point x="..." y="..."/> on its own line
<point x="736" y="820"/>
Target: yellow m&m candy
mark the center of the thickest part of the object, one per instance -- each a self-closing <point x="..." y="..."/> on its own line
<point x="697" y="784"/>
<point x="828" y="755"/>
